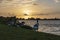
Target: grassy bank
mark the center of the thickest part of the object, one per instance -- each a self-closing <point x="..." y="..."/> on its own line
<point x="14" y="33"/>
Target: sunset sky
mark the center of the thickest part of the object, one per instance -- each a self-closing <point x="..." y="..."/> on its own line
<point x="30" y="8"/>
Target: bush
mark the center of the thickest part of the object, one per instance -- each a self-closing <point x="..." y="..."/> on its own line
<point x="27" y="27"/>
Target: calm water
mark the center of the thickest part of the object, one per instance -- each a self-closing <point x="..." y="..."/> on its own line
<point x="48" y="26"/>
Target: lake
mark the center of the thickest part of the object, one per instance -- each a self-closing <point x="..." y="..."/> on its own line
<point x="48" y="26"/>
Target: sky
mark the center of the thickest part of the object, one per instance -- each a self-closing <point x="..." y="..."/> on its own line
<point x="30" y="8"/>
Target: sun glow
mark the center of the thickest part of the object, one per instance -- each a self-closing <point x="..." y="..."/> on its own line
<point x="26" y="17"/>
<point x="27" y="11"/>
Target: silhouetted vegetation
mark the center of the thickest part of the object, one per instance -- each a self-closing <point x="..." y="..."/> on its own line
<point x="13" y="21"/>
<point x="43" y="19"/>
<point x="27" y="27"/>
<point x="31" y="18"/>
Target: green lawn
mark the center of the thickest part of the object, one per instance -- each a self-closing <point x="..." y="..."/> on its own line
<point x="14" y="33"/>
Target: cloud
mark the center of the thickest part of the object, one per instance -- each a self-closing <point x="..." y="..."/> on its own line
<point x="46" y="14"/>
<point x="40" y="14"/>
<point x="1" y="1"/>
<point x="9" y="0"/>
<point x="57" y="1"/>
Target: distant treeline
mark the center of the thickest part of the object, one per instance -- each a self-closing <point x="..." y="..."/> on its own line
<point x="43" y="19"/>
<point x="14" y="17"/>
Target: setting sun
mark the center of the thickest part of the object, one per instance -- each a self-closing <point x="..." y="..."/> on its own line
<point x="26" y="12"/>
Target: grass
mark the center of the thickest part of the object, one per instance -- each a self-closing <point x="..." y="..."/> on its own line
<point x="18" y="33"/>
